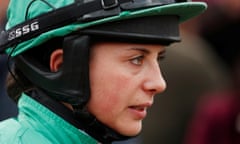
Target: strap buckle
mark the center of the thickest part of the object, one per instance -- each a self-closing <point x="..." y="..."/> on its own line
<point x="108" y="4"/>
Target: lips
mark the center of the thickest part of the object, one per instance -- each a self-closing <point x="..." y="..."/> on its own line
<point x="139" y="112"/>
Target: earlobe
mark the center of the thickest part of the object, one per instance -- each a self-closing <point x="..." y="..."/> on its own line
<point x="56" y="60"/>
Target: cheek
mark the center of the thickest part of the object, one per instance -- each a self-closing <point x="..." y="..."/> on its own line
<point x="110" y="94"/>
<point x="112" y="91"/>
<point x="109" y="91"/>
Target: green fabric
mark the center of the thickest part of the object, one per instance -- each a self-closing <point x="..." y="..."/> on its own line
<point x="185" y="11"/>
<point x="36" y="124"/>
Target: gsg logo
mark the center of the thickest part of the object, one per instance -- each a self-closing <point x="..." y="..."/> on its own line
<point x="18" y="32"/>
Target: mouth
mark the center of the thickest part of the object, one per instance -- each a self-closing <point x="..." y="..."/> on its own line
<point x="138" y="108"/>
<point x="139" y="111"/>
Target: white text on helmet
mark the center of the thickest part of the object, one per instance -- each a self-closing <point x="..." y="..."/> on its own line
<point x="23" y="30"/>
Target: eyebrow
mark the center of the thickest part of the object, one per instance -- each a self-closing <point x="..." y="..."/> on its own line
<point x="144" y="50"/>
<point x="163" y="52"/>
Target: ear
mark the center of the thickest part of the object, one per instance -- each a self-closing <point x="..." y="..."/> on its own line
<point x="56" y="60"/>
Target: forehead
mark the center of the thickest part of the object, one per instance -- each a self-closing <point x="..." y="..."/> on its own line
<point x="118" y="47"/>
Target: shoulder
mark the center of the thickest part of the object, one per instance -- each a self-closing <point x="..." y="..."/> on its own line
<point x="12" y="132"/>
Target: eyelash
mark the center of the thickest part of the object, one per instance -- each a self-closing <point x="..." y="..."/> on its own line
<point x="137" y="60"/>
<point x="160" y="58"/>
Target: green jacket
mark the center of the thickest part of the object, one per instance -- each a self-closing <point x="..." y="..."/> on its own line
<point x="36" y="124"/>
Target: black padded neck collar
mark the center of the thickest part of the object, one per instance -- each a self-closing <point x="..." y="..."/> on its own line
<point x="83" y="121"/>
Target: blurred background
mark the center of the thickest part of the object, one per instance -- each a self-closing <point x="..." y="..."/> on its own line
<point x="202" y="102"/>
<point x="7" y="107"/>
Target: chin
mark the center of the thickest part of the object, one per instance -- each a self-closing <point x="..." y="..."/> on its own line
<point x="131" y="130"/>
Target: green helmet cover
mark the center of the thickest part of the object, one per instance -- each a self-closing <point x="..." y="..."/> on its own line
<point x="185" y="11"/>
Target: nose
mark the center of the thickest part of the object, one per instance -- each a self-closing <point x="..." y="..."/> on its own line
<point x="154" y="82"/>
